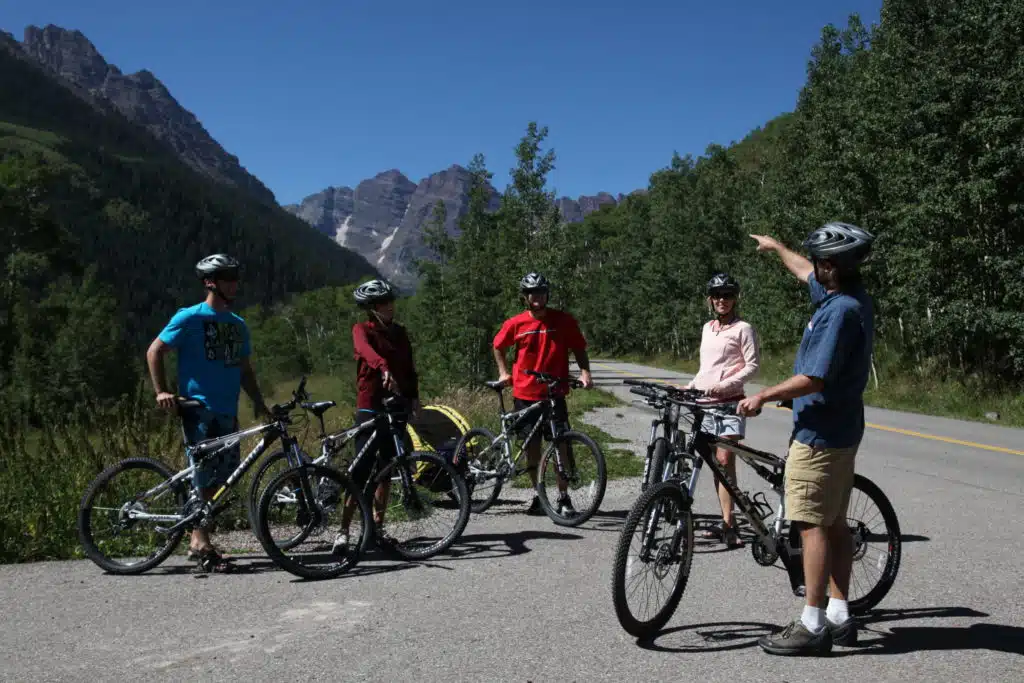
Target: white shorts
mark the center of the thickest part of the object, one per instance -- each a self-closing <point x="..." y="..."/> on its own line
<point x="724" y="424"/>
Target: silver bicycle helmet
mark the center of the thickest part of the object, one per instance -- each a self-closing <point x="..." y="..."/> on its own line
<point x="374" y="292"/>
<point x="534" y="282"/>
<point x="841" y="243"/>
<point x="216" y="264"/>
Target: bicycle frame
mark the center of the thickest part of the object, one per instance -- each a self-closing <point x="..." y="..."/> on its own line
<point x="508" y="425"/>
<point x="207" y="449"/>
<point x="331" y="443"/>
<point x="699" y="448"/>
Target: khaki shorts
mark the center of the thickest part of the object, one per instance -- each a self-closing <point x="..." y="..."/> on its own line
<point x="818" y="483"/>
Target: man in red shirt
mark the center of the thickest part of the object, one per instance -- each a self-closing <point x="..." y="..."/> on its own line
<point x="543" y="338"/>
<point x="384" y="367"/>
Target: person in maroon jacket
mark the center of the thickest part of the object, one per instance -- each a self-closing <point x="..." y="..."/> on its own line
<point x="384" y="367"/>
<point x="543" y="338"/>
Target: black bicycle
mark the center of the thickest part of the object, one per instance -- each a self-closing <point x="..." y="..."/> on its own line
<point x="573" y="464"/>
<point x="428" y="505"/>
<point x="657" y="538"/>
<point x="135" y="513"/>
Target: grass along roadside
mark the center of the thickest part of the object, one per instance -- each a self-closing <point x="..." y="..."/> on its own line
<point x="895" y="384"/>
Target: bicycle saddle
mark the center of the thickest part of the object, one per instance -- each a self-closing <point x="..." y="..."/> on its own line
<point x="319" y="407"/>
<point x="497" y="385"/>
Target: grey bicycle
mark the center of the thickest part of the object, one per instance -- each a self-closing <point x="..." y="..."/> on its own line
<point x="657" y="537"/>
<point x="135" y="513"/>
<point x="572" y="466"/>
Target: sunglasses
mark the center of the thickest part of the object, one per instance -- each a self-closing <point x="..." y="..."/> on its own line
<point x="727" y="296"/>
<point x="227" y="277"/>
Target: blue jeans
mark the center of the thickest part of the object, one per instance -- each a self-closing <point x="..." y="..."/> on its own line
<point x="205" y="424"/>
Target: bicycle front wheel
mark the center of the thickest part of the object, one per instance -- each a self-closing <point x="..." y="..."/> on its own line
<point x="652" y="559"/>
<point x="426" y="517"/>
<point x="332" y="540"/>
<point x="272" y="465"/>
<point x="656" y="468"/>
<point x="478" y="458"/>
<point x="572" y="469"/>
<point x="109" y="529"/>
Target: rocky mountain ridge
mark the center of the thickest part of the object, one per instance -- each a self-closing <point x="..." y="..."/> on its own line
<point x="383" y="218"/>
<point x="142" y="99"/>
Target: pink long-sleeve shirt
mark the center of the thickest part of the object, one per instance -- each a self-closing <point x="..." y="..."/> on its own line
<point x="729" y="356"/>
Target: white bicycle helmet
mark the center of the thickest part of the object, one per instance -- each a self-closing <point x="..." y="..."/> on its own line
<point x="215" y="264"/>
<point x="374" y="292"/>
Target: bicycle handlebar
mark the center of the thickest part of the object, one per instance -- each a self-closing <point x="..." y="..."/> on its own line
<point x="689" y="398"/>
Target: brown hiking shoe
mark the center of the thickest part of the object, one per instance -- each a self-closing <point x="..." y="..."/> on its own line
<point x="795" y="639"/>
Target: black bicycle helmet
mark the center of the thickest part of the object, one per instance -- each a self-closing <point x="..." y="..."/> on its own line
<point x="534" y="282"/>
<point x="723" y="283"/>
<point x="215" y="264"/>
<point x="842" y="243"/>
<point x="374" y="292"/>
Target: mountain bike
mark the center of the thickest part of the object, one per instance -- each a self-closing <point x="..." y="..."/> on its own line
<point x="135" y="513"/>
<point x="486" y="461"/>
<point x="426" y="489"/>
<point x="662" y="522"/>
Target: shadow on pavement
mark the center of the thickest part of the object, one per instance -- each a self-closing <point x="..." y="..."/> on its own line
<point x="905" y="639"/>
<point x="489" y="546"/>
<point x="244" y="564"/>
<point x="713" y="637"/>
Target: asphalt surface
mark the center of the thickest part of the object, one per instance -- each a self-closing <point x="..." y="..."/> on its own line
<point x="520" y="599"/>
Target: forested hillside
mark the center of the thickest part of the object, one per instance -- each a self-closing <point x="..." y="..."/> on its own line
<point x="911" y="128"/>
<point x="100" y="227"/>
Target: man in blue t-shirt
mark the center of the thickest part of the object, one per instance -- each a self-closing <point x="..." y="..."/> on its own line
<point x="827" y="387"/>
<point x="213" y="365"/>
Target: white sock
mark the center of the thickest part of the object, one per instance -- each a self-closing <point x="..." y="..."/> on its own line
<point x="838" y="611"/>
<point x="813" y="618"/>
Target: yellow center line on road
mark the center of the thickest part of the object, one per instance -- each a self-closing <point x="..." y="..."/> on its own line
<point x="896" y="430"/>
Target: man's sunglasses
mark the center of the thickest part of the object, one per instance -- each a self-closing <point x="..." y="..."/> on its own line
<point x="227" y="277"/>
<point x="728" y="296"/>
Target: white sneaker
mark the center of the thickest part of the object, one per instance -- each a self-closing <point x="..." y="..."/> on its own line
<point x="340" y="543"/>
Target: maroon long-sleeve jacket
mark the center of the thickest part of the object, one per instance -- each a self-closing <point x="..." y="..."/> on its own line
<point x="379" y="349"/>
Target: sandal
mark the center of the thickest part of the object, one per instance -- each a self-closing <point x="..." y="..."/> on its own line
<point x="209" y="560"/>
<point x="732" y="538"/>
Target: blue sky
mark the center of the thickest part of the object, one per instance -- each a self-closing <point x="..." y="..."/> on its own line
<point x="310" y="93"/>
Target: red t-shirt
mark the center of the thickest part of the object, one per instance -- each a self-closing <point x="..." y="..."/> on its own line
<point x="542" y="346"/>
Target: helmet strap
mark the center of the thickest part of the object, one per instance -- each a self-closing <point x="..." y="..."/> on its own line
<point x="376" y="316"/>
<point x="219" y="294"/>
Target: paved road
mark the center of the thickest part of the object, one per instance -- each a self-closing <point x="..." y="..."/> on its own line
<point x="523" y="600"/>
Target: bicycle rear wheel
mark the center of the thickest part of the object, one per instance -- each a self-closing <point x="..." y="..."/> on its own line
<point x="425" y="518"/>
<point x="586" y="479"/>
<point x="319" y="496"/>
<point x="656" y="541"/>
<point x="877" y="547"/>
<point x="108" y="534"/>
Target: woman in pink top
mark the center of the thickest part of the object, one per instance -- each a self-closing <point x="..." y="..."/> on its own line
<point x="729" y="356"/>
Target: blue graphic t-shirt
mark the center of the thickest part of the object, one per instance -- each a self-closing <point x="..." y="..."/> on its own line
<point x="210" y="348"/>
<point x="836" y="347"/>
